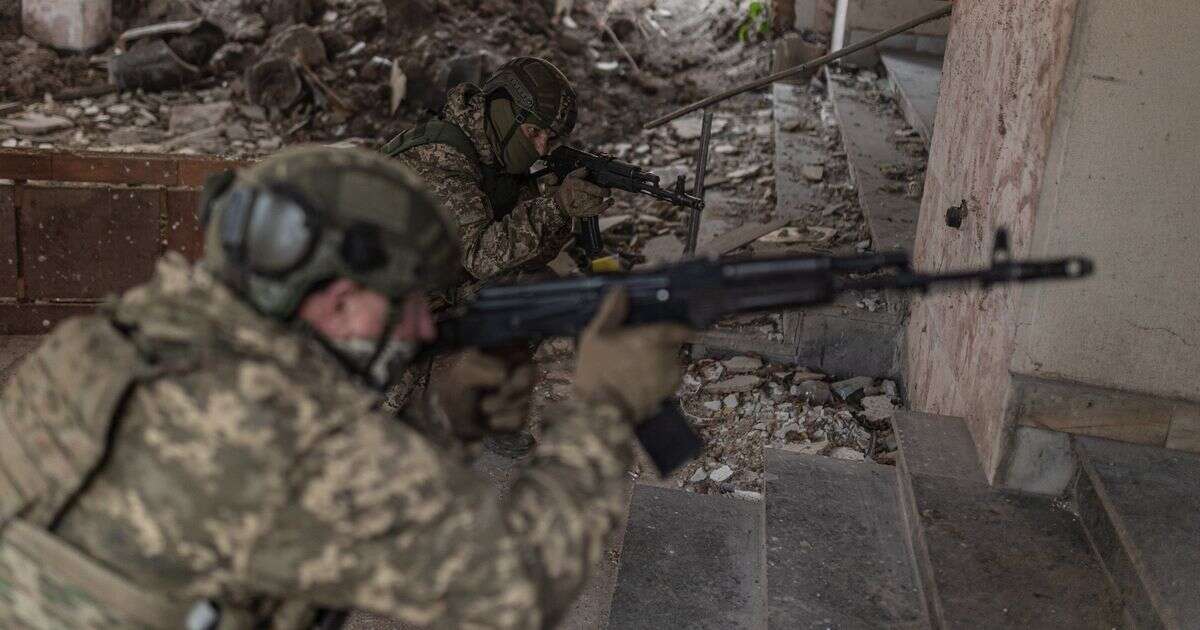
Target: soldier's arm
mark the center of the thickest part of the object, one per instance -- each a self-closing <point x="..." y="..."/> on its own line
<point x="385" y="522"/>
<point x="535" y="229"/>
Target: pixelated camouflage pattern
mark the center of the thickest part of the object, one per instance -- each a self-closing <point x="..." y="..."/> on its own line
<point x="257" y="471"/>
<point x="35" y="599"/>
<point x="530" y="236"/>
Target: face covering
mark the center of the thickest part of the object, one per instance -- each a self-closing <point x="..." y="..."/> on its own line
<point x="516" y="152"/>
<point x="382" y="367"/>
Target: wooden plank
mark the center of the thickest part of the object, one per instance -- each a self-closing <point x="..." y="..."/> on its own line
<point x="743" y="235"/>
<point x="183" y="230"/>
<point x="37" y="319"/>
<point x="8" y="244"/>
<point x="80" y="243"/>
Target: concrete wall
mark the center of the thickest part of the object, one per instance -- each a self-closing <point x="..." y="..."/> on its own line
<point x="1073" y="123"/>
<point x="996" y="112"/>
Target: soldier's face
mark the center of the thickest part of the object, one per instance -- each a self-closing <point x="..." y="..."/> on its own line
<point x="542" y="139"/>
<point x="346" y="311"/>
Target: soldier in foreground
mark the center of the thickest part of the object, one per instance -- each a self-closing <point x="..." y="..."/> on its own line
<point x="207" y="448"/>
<point x="476" y="161"/>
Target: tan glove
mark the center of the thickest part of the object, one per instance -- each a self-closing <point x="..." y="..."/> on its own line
<point x="580" y="198"/>
<point x="636" y="367"/>
<point x="480" y="394"/>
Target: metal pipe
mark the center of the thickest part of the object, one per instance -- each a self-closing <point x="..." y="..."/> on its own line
<point x="815" y="63"/>
<point x="701" y="171"/>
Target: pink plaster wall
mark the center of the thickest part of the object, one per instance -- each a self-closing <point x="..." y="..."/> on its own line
<point x="1000" y="89"/>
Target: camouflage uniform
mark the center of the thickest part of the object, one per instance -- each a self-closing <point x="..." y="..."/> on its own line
<point x="494" y="241"/>
<point x="197" y="449"/>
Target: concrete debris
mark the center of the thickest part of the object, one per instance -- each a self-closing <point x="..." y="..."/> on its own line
<point x="737" y="384"/>
<point x="878" y="408"/>
<point x="188" y="118"/>
<point x="274" y="83"/>
<point x="714" y="405"/>
<point x="699" y="475"/>
<point x="299" y="42"/>
<point x="805" y="375"/>
<point x="743" y="365"/>
<point x="848" y="454"/>
<point x="721" y="474"/>
<point x="851" y="389"/>
<point x="890" y="389"/>
<point x="815" y="392"/>
<point x="813" y="172"/>
<point x="730" y="402"/>
<point x="689" y="128"/>
<point x="748" y="495"/>
<point x="35" y="124"/>
<point x="151" y="65"/>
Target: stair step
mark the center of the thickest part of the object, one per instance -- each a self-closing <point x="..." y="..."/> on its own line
<point x="938" y="446"/>
<point x="916" y="80"/>
<point x="867" y="131"/>
<point x="793" y="151"/>
<point x="1141" y="508"/>
<point x="690" y="561"/>
<point x="991" y="558"/>
<point x="836" y="554"/>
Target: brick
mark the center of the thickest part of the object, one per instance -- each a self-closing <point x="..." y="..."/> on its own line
<point x="84" y="243"/>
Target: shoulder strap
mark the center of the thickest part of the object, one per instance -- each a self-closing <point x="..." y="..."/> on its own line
<point x="501" y="189"/>
<point x="433" y="132"/>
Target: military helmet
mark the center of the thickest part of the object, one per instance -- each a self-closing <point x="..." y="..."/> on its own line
<point x="277" y="230"/>
<point x="539" y="91"/>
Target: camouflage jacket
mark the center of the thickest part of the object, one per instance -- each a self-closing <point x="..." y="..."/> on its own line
<point x="531" y="235"/>
<point x="252" y="470"/>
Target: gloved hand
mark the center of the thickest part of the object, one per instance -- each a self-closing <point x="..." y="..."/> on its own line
<point x="580" y="198"/>
<point x="480" y="394"/>
<point x="636" y="367"/>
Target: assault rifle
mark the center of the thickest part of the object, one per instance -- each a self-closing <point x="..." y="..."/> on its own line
<point x="609" y="172"/>
<point x="700" y="292"/>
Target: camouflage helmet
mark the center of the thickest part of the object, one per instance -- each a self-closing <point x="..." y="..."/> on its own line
<point x="278" y="229"/>
<point x="539" y="91"/>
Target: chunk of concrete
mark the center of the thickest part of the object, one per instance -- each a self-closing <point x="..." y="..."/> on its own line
<point x="76" y="25"/>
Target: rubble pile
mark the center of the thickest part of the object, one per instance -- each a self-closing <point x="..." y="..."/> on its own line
<point x="742" y="406"/>
<point x="354" y="71"/>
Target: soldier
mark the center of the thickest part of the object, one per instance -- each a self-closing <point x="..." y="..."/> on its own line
<point x="476" y="160"/>
<point x="207" y="450"/>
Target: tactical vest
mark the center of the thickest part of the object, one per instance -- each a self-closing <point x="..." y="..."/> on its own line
<point x="56" y="416"/>
<point x="502" y="189"/>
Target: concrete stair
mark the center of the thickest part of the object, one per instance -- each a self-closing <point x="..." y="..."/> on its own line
<point x="836" y="552"/>
<point x="1140" y="506"/>
<point x="916" y="83"/>
<point x="690" y="561"/>
<point x="867" y="133"/>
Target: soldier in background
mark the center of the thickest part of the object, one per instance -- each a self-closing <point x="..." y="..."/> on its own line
<point x="476" y="161"/>
<point x="206" y="451"/>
